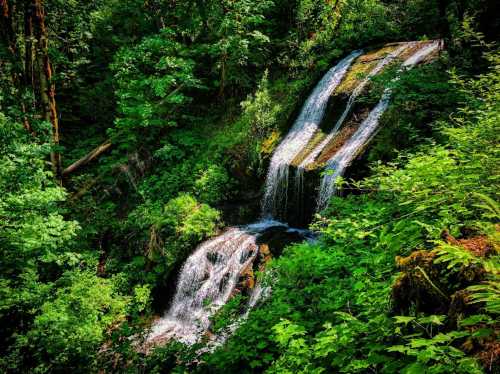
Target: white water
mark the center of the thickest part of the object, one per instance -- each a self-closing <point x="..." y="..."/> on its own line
<point x="208" y="279"/>
<point x="206" y="283"/>
<point x="311" y="157"/>
<point x="305" y="126"/>
<point x="421" y="54"/>
<point x="352" y="99"/>
<point x="338" y="163"/>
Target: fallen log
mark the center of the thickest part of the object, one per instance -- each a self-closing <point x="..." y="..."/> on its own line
<point x="96" y="152"/>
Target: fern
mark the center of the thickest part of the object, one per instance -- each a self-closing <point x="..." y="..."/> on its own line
<point x="492" y="265"/>
<point x="455" y="256"/>
<point x="487" y="293"/>
<point x="489" y="206"/>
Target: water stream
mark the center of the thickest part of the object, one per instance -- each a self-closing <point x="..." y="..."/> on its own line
<point x="209" y="278"/>
<point x="338" y="163"/>
<point x="352" y="99"/>
<point x="303" y="129"/>
<point x="311" y="157"/>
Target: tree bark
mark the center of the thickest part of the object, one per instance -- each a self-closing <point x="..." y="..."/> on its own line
<point x="29" y="53"/>
<point x="7" y="26"/>
<point x="47" y="86"/>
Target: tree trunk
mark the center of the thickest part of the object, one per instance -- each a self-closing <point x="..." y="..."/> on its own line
<point x="29" y="53"/>
<point x="47" y="87"/>
<point x="10" y="37"/>
<point x="7" y="26"/>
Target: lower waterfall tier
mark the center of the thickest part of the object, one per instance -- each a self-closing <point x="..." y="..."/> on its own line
<point x="218" y="270"/>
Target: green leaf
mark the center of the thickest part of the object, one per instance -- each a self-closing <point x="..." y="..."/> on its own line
<point x="404" y="319"/>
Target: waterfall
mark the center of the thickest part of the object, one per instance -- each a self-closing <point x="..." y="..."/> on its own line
<point x="208" y="279"/>
<point x="212" y="273"/>
<point x="341" y="160"/>
<point x="337" y="164"/>
<point x="206" y="282"/>
<point x="352" y="99"/>
<point x="303" y="129"/>
<point x="311" y="157"/>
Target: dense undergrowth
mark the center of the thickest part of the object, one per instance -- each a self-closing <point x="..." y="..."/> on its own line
<point x="194" y="96"/>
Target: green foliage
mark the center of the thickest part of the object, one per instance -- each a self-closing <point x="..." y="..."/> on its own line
<point x="455" y="256"/>
<point x="227" y="314"/>
<point x="190" y="220"/>
<point x="324" y="30"/>
<point x="195" y="95"/>
<point x="429" y="350"/>
<point x="71" y="327"/>
<point x="420" y="98"/>
<point x="151" y="80"/>
<point x="260" y="110"/>
<point x="31" y="223"/>
<point x="160" y="238"/>
<point x="489" y="294"/>
<point x="212" y="184"/>
<point x="50" y="321"/>
<point x="240" y="43"/>
<point x="34" y="236"/>
<point x="329" y="310"/>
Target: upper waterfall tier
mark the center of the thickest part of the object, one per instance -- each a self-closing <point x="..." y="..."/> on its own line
<point x="329" y="119"/>
<point x="337" y="164"/>
<point x="304" y="127"/>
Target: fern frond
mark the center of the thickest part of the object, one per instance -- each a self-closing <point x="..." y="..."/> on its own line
<point x="488" y="205"/>
<point x="454" y="255"/>
<point x="487" y="293"/>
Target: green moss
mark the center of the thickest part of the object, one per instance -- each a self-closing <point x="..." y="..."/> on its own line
<point x="362" y="67"/>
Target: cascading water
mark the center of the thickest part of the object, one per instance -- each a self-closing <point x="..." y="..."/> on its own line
<point x="311" y="157"/>
<point x="305" y="126"/>
<point x="211" y="275"/>
<point x="342" y="159"/>
<point x="209" y="279"/>
<point x="338" y="163"/>
<point x="206" y="282"/>
<point x="352" y="99"/>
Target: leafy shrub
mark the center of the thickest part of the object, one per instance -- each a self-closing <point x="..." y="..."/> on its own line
<point x="71" y="327"/>
<point x="212" y="184"/>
